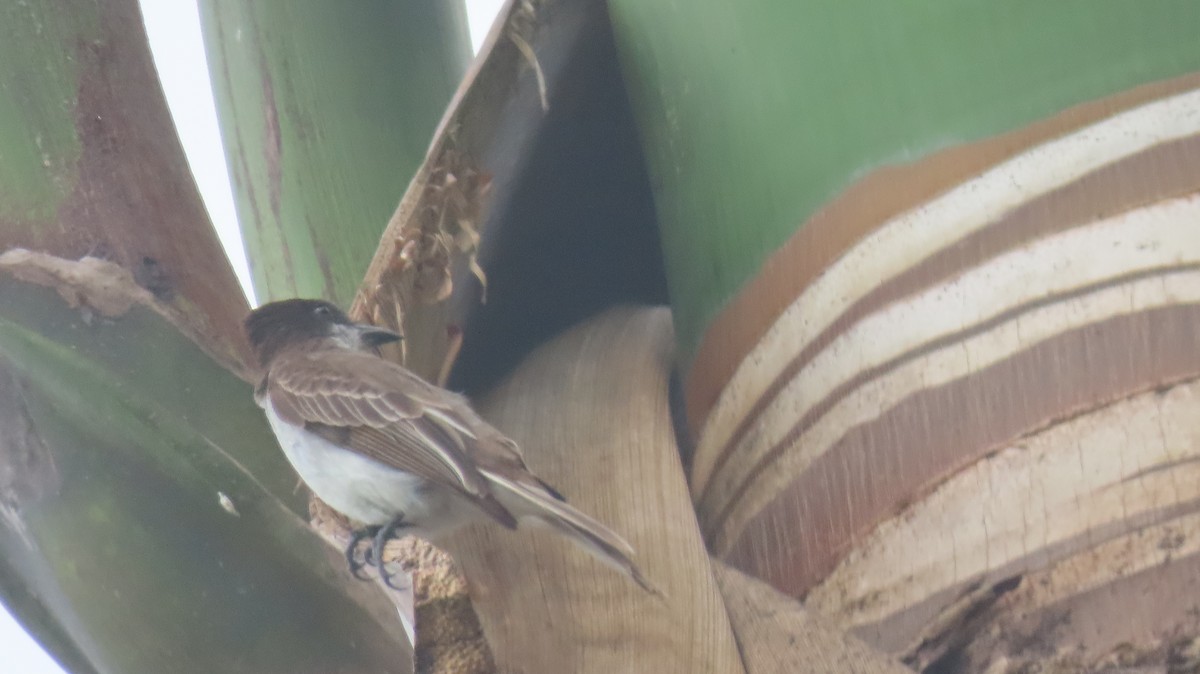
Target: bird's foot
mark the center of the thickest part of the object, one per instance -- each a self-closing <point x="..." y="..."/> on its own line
<point x="382" y="536"/>
<point x="357" y="537"/>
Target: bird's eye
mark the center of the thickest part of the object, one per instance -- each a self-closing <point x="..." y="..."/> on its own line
<point x="322" y="311"/>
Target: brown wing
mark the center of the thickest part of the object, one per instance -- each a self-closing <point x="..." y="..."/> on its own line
<point x="388" y="414"/>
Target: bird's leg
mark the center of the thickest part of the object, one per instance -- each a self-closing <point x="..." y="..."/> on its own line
<point x="382" y="536"/>
<point x="357" y="537"/>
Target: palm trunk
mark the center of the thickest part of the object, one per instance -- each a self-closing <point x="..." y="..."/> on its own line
<point x="929" y="264"/>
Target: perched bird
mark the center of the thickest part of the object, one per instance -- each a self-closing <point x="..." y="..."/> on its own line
<point x="384" y="447"/>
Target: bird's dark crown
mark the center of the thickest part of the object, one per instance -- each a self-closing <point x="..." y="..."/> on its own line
<point x="278" y="324"/>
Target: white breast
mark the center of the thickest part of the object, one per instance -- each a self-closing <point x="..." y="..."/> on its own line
<point x="362" y="488"/>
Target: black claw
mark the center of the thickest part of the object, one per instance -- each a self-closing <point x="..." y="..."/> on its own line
<point x="352" y="559"/>
<point x="382" y="536"/>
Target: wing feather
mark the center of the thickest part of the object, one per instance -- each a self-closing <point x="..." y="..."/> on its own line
<point x="388" y="414"/>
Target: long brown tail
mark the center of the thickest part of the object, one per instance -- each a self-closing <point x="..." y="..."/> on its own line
<point x="536" y="502"/>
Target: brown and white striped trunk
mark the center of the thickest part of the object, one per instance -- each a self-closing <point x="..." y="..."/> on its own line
<point x="969" y="371"/>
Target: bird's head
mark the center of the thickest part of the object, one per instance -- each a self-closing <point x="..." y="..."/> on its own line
<point x="277" y="326"/>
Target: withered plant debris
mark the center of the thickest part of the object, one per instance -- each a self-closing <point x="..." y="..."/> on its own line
<point x="89" y="284"/>
<point x="445" y="222"/>
<point x="520" y="29"/>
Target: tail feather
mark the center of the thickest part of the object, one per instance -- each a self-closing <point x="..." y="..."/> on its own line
<point x="603" y="549"/>
<point x="551" y="490"/>
<point x="547" y="507"/>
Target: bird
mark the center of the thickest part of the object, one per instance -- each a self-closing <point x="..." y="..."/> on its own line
<point x="392" y="451"/>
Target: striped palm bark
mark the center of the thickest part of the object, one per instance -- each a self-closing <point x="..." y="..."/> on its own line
<point x="938" y="309"/>
<point x="1007" y="391"/>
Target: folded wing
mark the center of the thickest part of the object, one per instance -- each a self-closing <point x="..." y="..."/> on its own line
<point x="388" y="414"/>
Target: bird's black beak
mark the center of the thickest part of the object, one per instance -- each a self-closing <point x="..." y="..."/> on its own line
<point x="373" y="336"/>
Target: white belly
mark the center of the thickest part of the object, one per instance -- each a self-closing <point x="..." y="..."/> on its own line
<point x="365" y="489"/>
